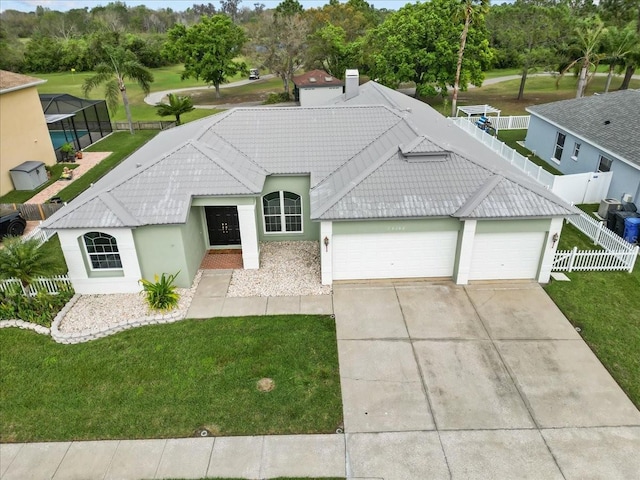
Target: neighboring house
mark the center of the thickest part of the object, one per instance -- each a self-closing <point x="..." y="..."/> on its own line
<point x="316" y="88"/>
<point x="23" y="130"/>
<point x="386" y="185"/>
<point x="591" y="134"/>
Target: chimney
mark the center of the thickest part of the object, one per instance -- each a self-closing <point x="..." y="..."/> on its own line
<point x="352" y="84"/>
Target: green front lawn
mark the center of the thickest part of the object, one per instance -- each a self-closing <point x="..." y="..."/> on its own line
<point x="606" y="307"/>
<point x="170" y="380"/>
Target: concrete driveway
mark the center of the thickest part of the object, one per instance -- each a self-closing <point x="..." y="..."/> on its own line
<point x="486" y="381"/>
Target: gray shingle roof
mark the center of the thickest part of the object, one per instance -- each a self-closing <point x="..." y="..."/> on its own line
<point x="586" y="118"/>
<point x="380" y="155"/>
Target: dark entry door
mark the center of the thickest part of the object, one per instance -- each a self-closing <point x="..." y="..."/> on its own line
<point x="223" y="225"/>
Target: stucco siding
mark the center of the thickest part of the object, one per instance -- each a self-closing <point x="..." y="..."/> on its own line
<point x="193" y="240"/>
<point x="513" y="226"/>
<point x="296" y="184"/>
<point x="396" y="226"/>
<point x="23" y="133"/>
<point x="161" y="250"/>
<point x="310" y="97"/>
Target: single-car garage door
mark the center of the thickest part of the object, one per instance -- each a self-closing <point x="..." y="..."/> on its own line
<point x="502" y="256"/>
<point x="394" y="255"/>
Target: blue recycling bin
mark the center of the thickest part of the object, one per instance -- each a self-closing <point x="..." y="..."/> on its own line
<point x="631" y="229"/>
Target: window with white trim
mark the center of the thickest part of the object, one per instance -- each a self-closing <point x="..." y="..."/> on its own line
<point x="102" y="251"/>
<point x="604" y="164"/>
<point x="282" y="212"/>
<point x="576" y="151"/>
<point x="557" y="152"/>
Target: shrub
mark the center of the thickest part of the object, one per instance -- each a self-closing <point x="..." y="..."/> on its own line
<point x="40" y="309"/>
<point x="276" y="98"/>
<point x="161" y="294"/>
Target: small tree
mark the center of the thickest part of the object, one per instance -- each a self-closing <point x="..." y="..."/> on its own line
<point x="177" y="106"/>
<point x="25" y="260"/>
<point x="122" y="65"/>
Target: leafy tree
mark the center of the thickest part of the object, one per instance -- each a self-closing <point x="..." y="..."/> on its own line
<point x="420" y="43"/>
<point x="230" y="7"/>
<point x="632" y="60"/>
<point x="42" y="54"/>
<point x="122" y="65"/>
<point x="208" y="49"/>
<point x="588" y="36"/>
<point x="618" y="13"/>
<point x="177" y="106"/>
<point x="471" y="10"/>
<point x="25" y="260"/>
<point x="289" y="8"/>
<point x="528" y="33"/>
<point x="617" y="44"/>
<point x="328" y="49"/>
<point x="11" y="51"/>
<point x="282" y="40"/>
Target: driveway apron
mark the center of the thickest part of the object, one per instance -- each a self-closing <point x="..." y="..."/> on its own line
<point x="483" y="381"/>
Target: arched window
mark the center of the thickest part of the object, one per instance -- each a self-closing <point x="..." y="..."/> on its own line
<point x="102" y="250"/>
<point x="282" y="212"/>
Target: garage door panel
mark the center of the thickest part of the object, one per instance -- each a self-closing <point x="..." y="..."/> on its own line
<point x="503" y="256"/>
<point x="394" y="255"/>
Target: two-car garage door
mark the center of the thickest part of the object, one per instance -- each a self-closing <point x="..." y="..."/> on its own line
<point x="496" y="256"/>
<point x="394" y="255"/>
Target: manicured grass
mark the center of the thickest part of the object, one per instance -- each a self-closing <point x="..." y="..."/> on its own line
<point x="52" y="249"/>
<point x="166" y="78"/>
<point x="606" y="307"/>
<point x="21" y="196"/>
<point x="255" y="91"/>
<point x="122" y="144"/>
<point x="512" y="137"/>
<point x="169" y="380"/>
<point x="538" y="90"/>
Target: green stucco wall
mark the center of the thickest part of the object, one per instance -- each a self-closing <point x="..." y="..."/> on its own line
<point x="295" y="184"/>
<point x="398" y="226"/>
<point x="171" y="248"/>
<point x="510" y="226"/>
<point x="222" y="201"/>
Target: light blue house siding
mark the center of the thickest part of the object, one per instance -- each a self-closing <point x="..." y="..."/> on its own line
<point x="541" y="139"/>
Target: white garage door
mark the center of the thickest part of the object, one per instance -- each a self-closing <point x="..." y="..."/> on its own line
<point x="394" y="255"/>
<point x="499" y="256"/>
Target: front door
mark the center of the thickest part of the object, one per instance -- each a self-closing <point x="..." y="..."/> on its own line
<point x="223" y="225"/>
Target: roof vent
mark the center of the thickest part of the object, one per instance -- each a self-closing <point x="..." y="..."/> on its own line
<point x="328" y="79"/>
<point x="138" y="165"/>
<point x="312" y="80"/>
<point x="422" y="149"/>
<point x="607" y="122"/>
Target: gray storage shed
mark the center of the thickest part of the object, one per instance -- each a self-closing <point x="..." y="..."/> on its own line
<point x="28" y="175"/>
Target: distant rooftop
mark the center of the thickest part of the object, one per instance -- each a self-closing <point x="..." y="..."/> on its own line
<point x="10" y="81"/>
<point x="317" y="78"/>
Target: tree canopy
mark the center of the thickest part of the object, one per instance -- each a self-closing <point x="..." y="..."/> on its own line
<point x="209" y="49"/>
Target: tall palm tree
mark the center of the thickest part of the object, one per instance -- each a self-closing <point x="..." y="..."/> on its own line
<point x="25" y="260"/>
<point x="588" y="39"/>
<point x="122" y="64"/>
<point x="471" y="9"/>
<point x="177" y="106"/>
<point x="618" y="43"/>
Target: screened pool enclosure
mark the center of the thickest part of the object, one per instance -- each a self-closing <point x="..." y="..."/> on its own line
<point x="74" y="120"/>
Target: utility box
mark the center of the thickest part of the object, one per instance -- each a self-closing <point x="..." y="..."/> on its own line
<point x="28" y="175"/>
<point x="608" y="205"/>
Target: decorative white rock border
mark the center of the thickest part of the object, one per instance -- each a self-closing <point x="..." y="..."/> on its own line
<point x="69" y="338"/>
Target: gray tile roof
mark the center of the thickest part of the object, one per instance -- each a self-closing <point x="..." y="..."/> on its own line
<point x="380" y="155"/>
<point x="587" y="117"/>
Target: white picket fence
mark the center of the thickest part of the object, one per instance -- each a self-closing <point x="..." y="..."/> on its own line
<point x="41" y="235"/>
<point x="617" y="253"/>
<point x="51" y="285"/>
<point x="514" y="122"/>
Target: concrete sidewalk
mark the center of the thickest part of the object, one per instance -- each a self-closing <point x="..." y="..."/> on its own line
<point x="235" y="457"/>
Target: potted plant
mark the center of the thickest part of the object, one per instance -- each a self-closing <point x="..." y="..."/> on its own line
<point x="79" y="155"/>
<point x="67" y="152"/>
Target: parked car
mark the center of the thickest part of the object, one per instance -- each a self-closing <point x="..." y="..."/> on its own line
<point x="11" y="222"/>
<point x="254" y="74"/>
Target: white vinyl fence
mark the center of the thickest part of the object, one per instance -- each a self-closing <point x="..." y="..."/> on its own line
<point x="514" y="122"/>
<point x="52" y="285"/>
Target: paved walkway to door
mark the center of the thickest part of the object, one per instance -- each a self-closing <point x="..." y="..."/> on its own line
<point x="490" y="381"/>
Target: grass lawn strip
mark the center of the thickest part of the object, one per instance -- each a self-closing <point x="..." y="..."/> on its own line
<point x="167" y="381"/>
<point x="21" y="196"/>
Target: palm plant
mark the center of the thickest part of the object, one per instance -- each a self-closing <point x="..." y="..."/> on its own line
<point x="471" y="9"/>
<point x="177" y="106"/>
<point x="618" y="43"/>
<point x="588" y="38"/>
<point x="25" y="260"/>
<point x="122" y="64"/>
